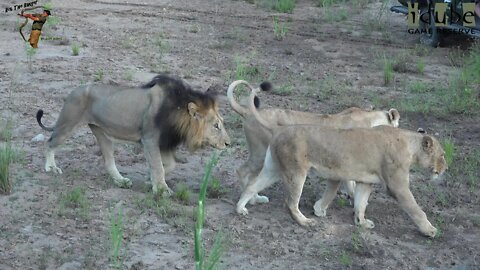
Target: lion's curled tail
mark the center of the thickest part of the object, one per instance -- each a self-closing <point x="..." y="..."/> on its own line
<point x="265" y="86"/>
<point x="237" y="107"/>
<point x="39" y="120"/>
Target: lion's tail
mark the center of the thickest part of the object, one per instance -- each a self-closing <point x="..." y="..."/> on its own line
<point x="265" y="86"/>
<point x="39" y="120"/>
<point x="237" y="107"/>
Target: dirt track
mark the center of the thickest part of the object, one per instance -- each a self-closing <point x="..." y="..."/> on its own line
<point x="321" y="65"/>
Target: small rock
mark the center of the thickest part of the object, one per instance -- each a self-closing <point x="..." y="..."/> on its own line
<point x="39" y="138"/>
<point x="27" y="229"/>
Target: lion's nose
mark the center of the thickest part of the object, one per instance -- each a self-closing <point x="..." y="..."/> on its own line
<point x="228" y="141"/>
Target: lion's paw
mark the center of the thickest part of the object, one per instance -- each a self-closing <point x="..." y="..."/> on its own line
<point x="258" y="199"/>
<point x="242" y="211"/>
<point x="262" y="199"/>
<point x="163" y="191"/>
<point x="369" y="224"/>
<point x="366" y="223"/>
<point x="54" y="169"/>
<point x="319" y="212"/>
<point x="430" y="232"/>
<point x="308" y="222"/>
<point x="123" y="182"/>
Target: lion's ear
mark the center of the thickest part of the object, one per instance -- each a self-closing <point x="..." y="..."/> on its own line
<point x="212" y="90"/>
<point x="393" y="115"/>
<point x="256" y="102"/>
<point x="193" y="110"/>
<point x="427" y="143"/>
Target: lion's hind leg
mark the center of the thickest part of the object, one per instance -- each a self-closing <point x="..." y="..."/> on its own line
<point x="268" y="176"/>
<point x="248" y="173"/>
<point x="106" y="146"/>
<point x="62" y="131"/>
<point x="362" y="192"/>
<point x="329" y="194"/>
<point x="347" y="190"/>
<point x="50" y="164"/>
<point x="249" y="170"/>
<point x="71" y="114"/>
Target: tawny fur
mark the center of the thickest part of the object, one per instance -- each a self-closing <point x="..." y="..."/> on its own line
<point x="258" y="137"/>
<point x="161" y="115"/>
<point x="367" y="155"/>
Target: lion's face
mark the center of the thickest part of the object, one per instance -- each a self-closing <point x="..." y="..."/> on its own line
<point x="204" y="127"/>
<point x="432" y="156"/>
<point x="215" y="134"/>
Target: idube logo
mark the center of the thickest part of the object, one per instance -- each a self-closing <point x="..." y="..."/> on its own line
<point x="440" y="15"/>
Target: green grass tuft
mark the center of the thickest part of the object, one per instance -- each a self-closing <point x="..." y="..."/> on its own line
<point x="216" y="190"/>
<point x="182" y="193"/>
<point x="284" y="90"/>
<point x="75" y="49"/>
<point x="7" y="156"/>
<point x="75" y="200"/>
<point x="285" y="6"/>
<point x="98" y="76"/>
<point x="342" y="202"/>
<point x="419" y="87"/>
<point x="460" y="96"/>
<point x="421" y="66"/>
<point x="218" y="247"/>
<point x="449" y="148"/>
<point x="244" y="70"/>
<point x="279" y="29"/>
<point x="387" y="71"/>
<point x="467" y="168"/>
<point x="356" y="240"/>
<point x="116" y="237"/>
<point x="345" y="259"/>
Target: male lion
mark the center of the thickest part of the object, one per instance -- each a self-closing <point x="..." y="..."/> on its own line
<point x="366" y="155"/>
<point x="161" y="115"/>
<point x="258" y="137"/>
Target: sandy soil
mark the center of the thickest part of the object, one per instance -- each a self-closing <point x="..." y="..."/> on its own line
<point x="321" y="65"/>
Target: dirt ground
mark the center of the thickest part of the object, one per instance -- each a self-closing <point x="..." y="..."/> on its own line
<point x="325" y="61"/>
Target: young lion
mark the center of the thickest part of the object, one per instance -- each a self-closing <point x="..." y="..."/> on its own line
<point x="259" y="137"/>
<point x="368" y="155"/>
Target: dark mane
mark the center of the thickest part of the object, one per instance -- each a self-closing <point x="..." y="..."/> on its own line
<point x="173" y="112"/>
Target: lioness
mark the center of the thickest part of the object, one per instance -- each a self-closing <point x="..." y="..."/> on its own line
<point x="160" y="115"/>
<point x="366" y="155"/>
<point x="258" y="137"/>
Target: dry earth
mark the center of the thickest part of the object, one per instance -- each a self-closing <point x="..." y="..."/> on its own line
<point x="328" y="60"/>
